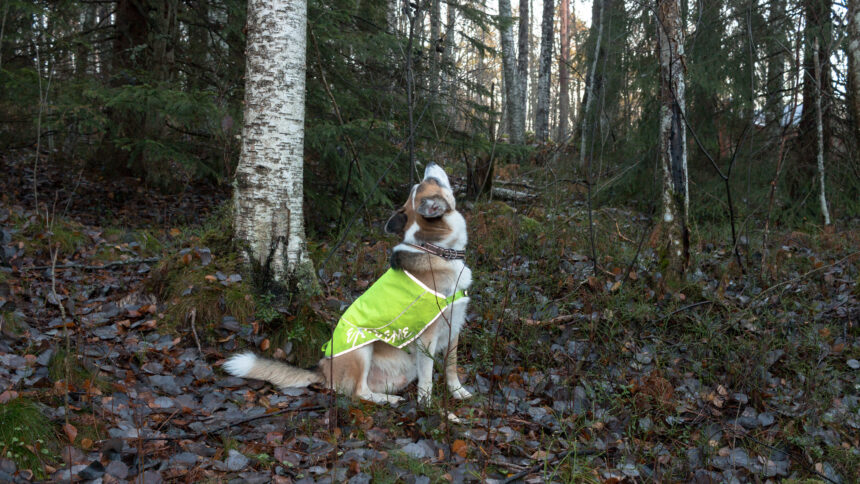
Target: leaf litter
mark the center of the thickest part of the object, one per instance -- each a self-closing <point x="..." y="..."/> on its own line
<point x="579" y="375"/>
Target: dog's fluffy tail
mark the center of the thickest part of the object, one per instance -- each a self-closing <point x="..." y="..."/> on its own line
<point x="248" y="365"/>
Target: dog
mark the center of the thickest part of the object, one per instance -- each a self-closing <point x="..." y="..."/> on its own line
<point x="374" y="361"/>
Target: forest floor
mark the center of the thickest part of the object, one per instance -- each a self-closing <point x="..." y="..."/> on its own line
<point x="119" y="306"/>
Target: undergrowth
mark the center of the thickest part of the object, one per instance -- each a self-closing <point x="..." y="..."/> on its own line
<point x="27" y="436"/>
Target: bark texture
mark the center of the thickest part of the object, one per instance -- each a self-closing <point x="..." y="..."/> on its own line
<point x="775" y="107"/>
<point x="589" y="82"/>
<point x="544" y="71"/>
<point x="268" y="185"/>
<point x="819" y="125"/>
<point x="523" y="60"/>
<point x="563" y="71"/>
<point x="853" y="55"/>
<point x="672" y="142"/>
<point x="818" y="43"/>
<point x="514" y="112"/>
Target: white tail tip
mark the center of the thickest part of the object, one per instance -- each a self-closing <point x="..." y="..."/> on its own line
<point x="241" y="364"/>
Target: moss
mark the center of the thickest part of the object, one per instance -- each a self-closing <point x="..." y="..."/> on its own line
<point x="38" y="236"/>
<point x="26" y="436"/>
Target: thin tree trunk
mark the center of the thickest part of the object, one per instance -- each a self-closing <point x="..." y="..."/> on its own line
<point x="268" y="187"/>
<point x="448" y="63"/>
<point x="853" y="54"/>
<point x="545" y="70"/>
<point x="672" y="137"/>
<point x="523" y="61"/>
<point x="819" y="123"/>
<point x="776" y="65"/>
<point x="818" y="30"/>
<point x="514" y="114"/>
<point x="563" y="71"/>
<point x="589" y="84"/>
<point x="436" y="44"/>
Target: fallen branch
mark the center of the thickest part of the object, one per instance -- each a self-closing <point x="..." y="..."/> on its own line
<point x="537" y="467"/>
<point x="564" y="318"/>
<point x="96" y="268"/>
<point x="512" y="195"/>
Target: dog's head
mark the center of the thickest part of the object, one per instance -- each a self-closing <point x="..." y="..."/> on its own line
<point x="430" y="213"/>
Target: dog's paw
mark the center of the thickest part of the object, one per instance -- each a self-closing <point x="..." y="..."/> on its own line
<point x="460" y="393"/>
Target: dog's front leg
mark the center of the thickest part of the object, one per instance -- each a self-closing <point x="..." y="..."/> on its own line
<point x="424" y="365"/>
<point x="451" y="377"/>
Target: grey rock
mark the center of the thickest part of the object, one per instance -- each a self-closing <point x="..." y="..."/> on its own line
<point x="117" y="469"/>
<point x="151" y="477"/>
<point x="360" y="478"/>
<point x="184" y="459"/>
<point x="765" y="419"/>
<point x="165" y="383"/>
<point x="236" y="461"/>
<point x="417" y="450"/>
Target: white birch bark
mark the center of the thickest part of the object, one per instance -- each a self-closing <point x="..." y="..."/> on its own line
<point x="672" y="134"/>
<point x="544" y="71"/>
<point x="268" y="185"/>
<point x="514" y="112"/>
<point x="589" y="85"/>
<point x="819" y="128"/>
<point x="563" y="75"/>
<point x="523" y="61"/>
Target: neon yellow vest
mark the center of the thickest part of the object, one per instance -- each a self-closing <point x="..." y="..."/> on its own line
<point x="396" y="309"/>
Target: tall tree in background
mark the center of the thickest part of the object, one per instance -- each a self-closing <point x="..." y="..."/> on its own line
<point x="268" y="186"/>
<point x="544" y="71"/>
<point x="436" y="44"/>
<point x="777" y="46"/>
<point x="563" y="69"/>
<point x="817" y="43"/>
<point x="523" y="59"/>
<point x="672" y="140"/>
<point x="515" y="111"/>
<point x="588" y="97"/>
<point x="853" y="93"/>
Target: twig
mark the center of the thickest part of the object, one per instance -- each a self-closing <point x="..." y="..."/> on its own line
<point x="564" y="318"/>
<point x="96" y="268"/>
<point x="804" y="276"/>
<point x="192" y="316"/>
<point x="689" y="306"/>
<point x="537" y="467"/>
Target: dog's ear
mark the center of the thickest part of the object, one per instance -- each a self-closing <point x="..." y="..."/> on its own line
<point x="433" y="207"/>
<point x="396" y="223"/>
<point x="436" y="172"/>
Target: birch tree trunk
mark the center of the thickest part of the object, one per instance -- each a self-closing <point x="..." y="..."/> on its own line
<point x="819" y="125"/>
<point x="818" y="31"/>
<point x="776" y="65"/>
<point x="523" y="61"/>
<point x="563" y="72"/>
<point x="268" y="185"/>
<point x="514" y="112"/>
<point x="544" y="71"/>
<point x="853" y="54"/>
<point x="589" y="82"/>
<point x="672" y="141"/>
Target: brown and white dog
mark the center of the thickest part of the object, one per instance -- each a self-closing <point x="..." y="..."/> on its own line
<point x="433" y="242"/>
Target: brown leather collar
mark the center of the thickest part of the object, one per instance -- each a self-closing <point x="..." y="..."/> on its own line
<point x="449" y="254"/>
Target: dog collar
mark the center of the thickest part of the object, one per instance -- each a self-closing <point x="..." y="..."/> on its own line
<point x="445" y="253"/>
